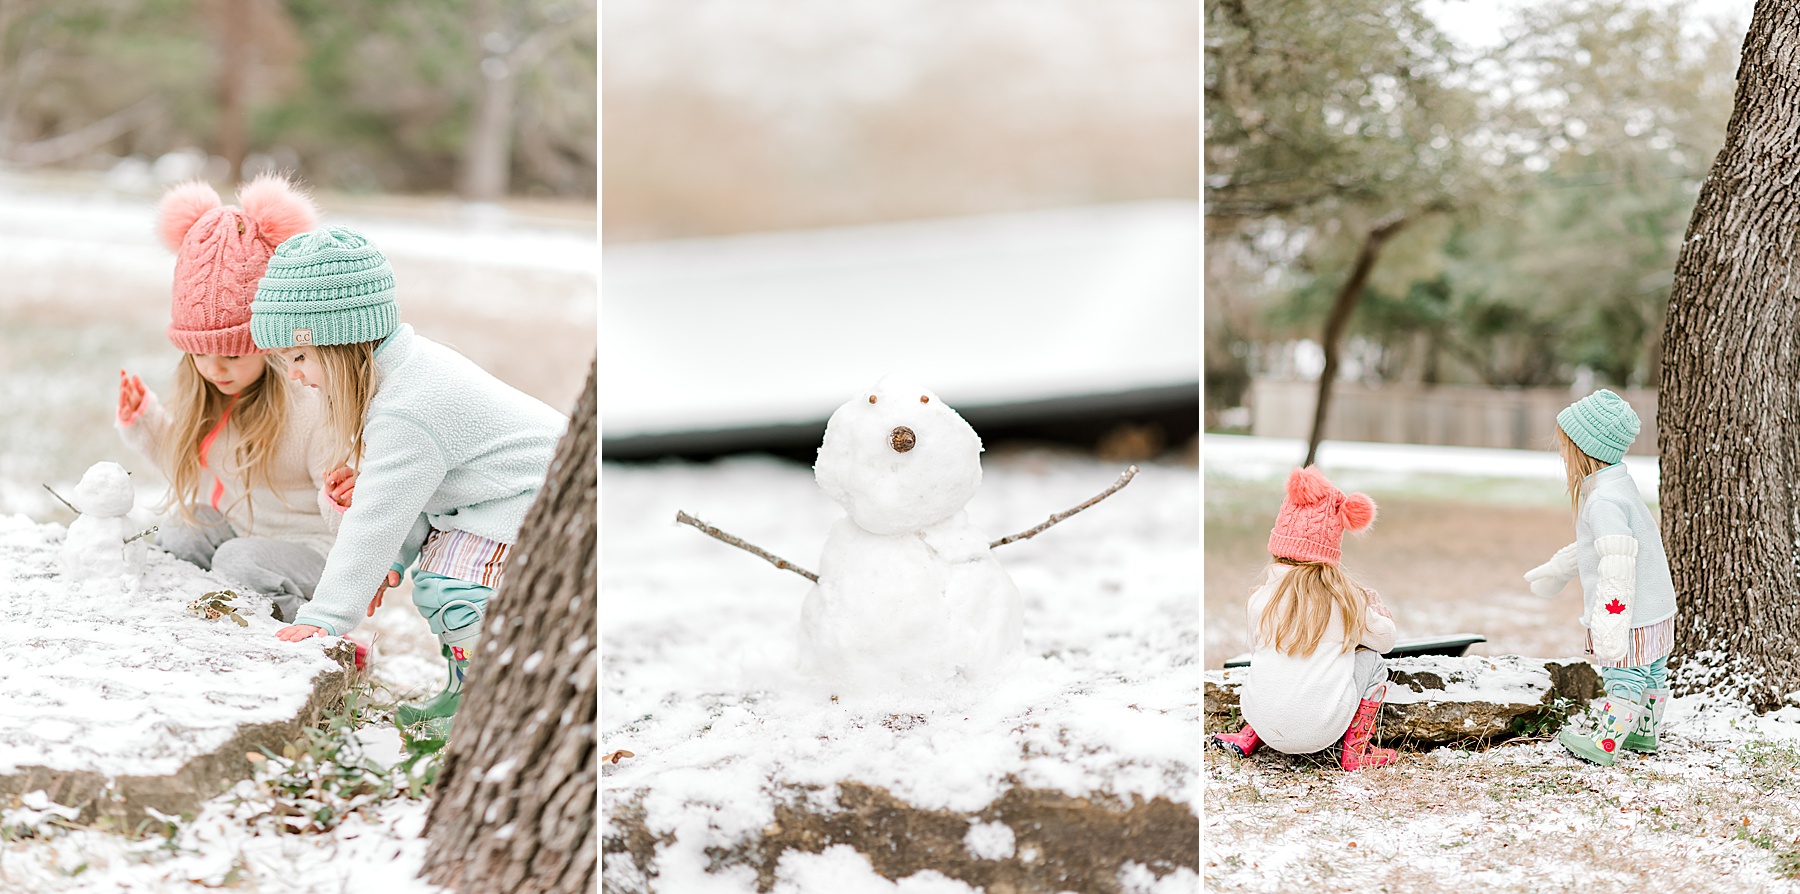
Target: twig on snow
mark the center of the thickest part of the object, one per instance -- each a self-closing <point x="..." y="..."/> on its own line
<point x="144" y="533"/>
<point x="767" y="556"/>
<point x="1124" y="479"/>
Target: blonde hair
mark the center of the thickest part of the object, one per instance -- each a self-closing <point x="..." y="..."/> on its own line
<point x="349" y="372"/>
<point x="1577" y="465"/>
<point x="258" y="413"/>
<point x="1299" y="613"/>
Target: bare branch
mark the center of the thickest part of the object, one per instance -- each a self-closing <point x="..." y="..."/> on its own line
<point x="59" y="499"/>
<point x="767" y="556"/>
<point x="1124" y="479"/>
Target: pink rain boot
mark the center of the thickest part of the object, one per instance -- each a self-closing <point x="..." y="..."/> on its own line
<point x="1240" y="743"/>
<point x="1359" y="749"/>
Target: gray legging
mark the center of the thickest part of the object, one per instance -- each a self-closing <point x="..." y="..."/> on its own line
<point x="1371" y="671"/>
<point x="283" y="571"/>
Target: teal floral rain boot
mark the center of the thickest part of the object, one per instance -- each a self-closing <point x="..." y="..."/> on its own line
<point x="1618" y="718"/>
<point x="1643" y="739"/>
<point x="430" y="719"/>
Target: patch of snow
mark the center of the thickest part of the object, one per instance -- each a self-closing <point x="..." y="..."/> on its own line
<point x="989" y="841"/>
<point x="701" y="643"/>
<point x="131" y="683"/>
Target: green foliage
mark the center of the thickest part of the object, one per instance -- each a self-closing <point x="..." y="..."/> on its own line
<point x="1593" y="125"/>
<point x="315" y="784"/>
<point x="356" y="96"/>
<point x="1545" y="722"/>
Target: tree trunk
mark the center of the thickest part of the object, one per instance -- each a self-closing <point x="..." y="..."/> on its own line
<point x="514" y="807"/>
<point x="487" y="159"/>
<point x="1347" y="296"/>
<point x="234" y="70"/>
<point x="1729" y="411"/>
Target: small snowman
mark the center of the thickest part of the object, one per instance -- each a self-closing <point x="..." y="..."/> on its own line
<point x="103" y="542"/>
<point x="907" y="594"/>
<point x="907" y="591"/>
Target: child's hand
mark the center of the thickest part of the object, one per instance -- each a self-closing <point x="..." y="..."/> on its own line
<point x="298" y="632"/>
<point x="131" y="397"/>
<point x="1376" y="605"/>
<point x="393" y="580"/>
<point x="340" y="484"/>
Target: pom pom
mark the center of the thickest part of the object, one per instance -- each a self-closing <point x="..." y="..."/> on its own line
<point x="1358" y="512"/>
<point x="1308" y="486"/>
<point x="182" y="207"/>
<point x="278" y="210"/>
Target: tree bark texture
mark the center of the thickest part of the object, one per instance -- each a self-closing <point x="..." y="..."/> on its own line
<point x="1347" y="297"/>
<point x="515" y="805"/>
<point x="1729" y="418"/>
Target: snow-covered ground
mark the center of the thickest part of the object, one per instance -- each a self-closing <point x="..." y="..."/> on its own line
<point x="699" y="639"/>
<point x="1713" y="811"/>
<point x="135" y="684"/>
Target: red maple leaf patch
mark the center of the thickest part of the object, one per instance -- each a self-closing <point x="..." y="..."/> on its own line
<point x="1615" y="607"/>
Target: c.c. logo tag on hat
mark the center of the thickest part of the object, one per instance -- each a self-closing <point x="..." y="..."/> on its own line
<point x="302" y="337"/>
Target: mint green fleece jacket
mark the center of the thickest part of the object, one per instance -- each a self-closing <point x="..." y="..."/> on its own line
<point x="445" y="445"/>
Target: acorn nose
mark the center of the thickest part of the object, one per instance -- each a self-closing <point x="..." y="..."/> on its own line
<point x="902" y="439"/>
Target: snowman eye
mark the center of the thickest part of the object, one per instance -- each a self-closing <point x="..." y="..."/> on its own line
<point x="924" y="399"/>
<point x="871" y="398"/>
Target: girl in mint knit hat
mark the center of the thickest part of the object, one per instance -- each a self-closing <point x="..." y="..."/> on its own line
<point x="1628" y="598"/>
<point x="448" y="457"/>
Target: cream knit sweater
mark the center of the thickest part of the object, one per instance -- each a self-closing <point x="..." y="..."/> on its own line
<point x="296" y="510"/>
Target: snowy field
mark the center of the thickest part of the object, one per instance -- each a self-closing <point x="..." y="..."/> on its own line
<point x="86" y="292"/>
<point x="699" y="639"/>
<point x="1713" y="811"/>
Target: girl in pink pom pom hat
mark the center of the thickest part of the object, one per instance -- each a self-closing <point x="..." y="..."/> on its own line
<point x="255" y="494"/>
<point x="1317" y="677"/>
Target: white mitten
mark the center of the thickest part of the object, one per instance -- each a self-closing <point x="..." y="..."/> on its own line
<point x="1610" y="618"/>
<point x="1548" y="579"/>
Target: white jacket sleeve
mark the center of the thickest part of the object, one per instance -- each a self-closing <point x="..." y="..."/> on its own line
<point x="402" y="468"/>
<point x="1548" y="579"/>
<point x="1614" y="592"/>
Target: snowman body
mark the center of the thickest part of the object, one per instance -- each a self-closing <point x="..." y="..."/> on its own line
<point x="96" y="546"/>
<point x="908" y="592"/>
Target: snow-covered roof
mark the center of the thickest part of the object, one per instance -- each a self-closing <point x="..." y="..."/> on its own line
<point x="781" y="328"/>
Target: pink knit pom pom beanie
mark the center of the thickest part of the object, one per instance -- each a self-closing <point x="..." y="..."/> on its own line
<point x="1315" y="516"/>
<point x="221" y="252"/>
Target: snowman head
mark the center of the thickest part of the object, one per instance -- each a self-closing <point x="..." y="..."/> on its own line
<point x="897" y="459"/>
<point x="104" y="491"/>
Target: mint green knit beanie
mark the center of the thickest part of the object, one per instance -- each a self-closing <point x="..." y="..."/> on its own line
<point x="326" y="287"/>
<point x="1602" y="424"/>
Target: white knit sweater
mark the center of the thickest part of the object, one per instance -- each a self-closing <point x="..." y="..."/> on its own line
<point x="446" y="446"/>
<point x="296" y="510"/>
<point x="1299" y="704"/>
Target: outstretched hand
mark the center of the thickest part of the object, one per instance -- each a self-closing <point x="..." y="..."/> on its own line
<point x="392" y="580"/>
<point x="131" y="397"/>
<point x="298" y="632"/>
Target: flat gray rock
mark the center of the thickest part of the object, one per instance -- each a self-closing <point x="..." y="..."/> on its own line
<point x="1434" y="699"/>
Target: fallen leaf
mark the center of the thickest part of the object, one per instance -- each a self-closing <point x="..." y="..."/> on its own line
<point x="617" y="756"/>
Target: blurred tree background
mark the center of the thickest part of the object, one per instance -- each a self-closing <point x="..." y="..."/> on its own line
<point x="485" y="98"/>
<point x="1544" y="182"/>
